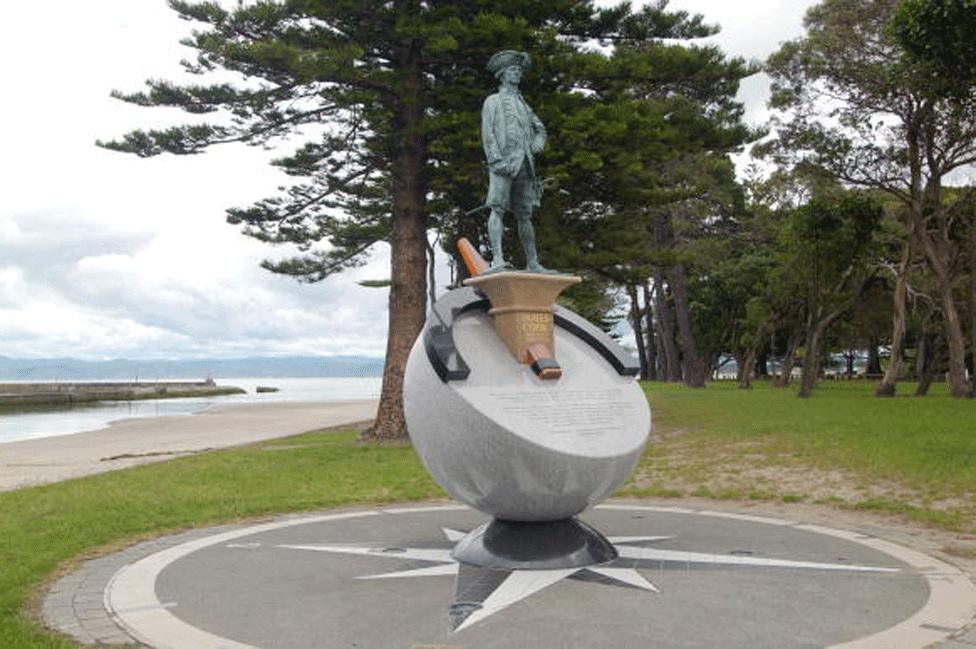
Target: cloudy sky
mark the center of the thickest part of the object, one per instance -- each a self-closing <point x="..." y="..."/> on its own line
<point x="103" y="255"/>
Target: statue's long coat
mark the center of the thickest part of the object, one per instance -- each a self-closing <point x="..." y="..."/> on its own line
<point x="510" y="132"/>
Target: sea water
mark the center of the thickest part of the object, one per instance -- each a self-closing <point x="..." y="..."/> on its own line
<point x="65" y="420"/>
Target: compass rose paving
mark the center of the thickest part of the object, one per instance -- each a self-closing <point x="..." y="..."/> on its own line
<point x="685" y="578"/>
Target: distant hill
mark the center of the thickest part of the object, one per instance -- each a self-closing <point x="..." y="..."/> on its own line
<point x="123" y="369"/>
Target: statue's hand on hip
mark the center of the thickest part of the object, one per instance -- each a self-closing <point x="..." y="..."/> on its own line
<point x="505" y="167"/>
<point x="500" y="167"/>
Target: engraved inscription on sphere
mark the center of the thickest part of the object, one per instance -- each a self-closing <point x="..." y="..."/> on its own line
<point x="576" y="412"/>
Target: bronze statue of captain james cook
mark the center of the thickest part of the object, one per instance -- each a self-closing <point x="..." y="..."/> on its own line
<point x="512" y="134"/>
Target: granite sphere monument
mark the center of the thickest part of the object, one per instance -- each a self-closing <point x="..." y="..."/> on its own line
<point x="518" y="407"/>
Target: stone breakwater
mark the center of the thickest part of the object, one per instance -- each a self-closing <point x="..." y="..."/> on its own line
<point x="67" y="393"/>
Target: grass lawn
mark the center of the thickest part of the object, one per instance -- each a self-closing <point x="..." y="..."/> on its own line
<point x="915" y="456"/>
<point x="42" y="527"/>
<point x="843" y="447"/>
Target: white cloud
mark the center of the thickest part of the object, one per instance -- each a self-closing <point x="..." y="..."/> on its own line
<point x="56" y="329"/>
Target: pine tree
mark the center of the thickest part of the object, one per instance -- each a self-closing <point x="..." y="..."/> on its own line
<point x="393" y="89"/>
<point x="645" y="165"/>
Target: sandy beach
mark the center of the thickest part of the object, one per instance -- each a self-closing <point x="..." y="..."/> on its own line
<point x="129" y="442"/>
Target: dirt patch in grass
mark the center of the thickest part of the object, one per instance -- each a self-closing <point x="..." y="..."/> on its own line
<point x="679" y="464"/>
<point x="843" y="447"/>
<point x="964" y="549"/>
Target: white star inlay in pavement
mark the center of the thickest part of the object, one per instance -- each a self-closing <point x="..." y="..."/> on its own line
<point x="480" y="598"/>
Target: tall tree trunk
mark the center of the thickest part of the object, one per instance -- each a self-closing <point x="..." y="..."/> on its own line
<point x="849" y="358"/>
<point x="936" y="245"/>
<point x="899" y="318"/>
<point x="972" y="331"/>
<point x="789" y="359"/>
<point x="874" y="359"/>
<point x="762" y="363"/>
<point x="694" y="367"/>
<point x="811" y="362"/>
<point x="958" y="386"/>
<point x="408" y="250"/>
<point x="817" y="326"/>
<point x="747" y="365"/>
<point x="637" y="325"/>
<point x="928" y="353"/>
<point x="924" y="383"/>
<point x="922" y="352"/>
<point x="663" y="371"/>
<point x="711" y="366"/>
<point x="651" y="347"/>
<point x="972" y="311"/>
<point x="666" y="325"/>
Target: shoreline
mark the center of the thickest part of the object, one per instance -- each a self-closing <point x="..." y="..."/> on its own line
<point x="132" y="441"/>
<point x="24" y="397"/>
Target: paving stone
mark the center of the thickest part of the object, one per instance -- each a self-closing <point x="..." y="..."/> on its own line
<point x="966" y="639"/>
<point x="75" y="603"/>
<point x="101" y="628"/>
<point x="78" y="633"/>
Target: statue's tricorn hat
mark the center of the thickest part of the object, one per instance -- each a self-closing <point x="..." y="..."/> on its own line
<point x="508" y="58"/>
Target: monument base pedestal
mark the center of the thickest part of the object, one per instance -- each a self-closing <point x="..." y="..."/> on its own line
<point x="519" y="545"/>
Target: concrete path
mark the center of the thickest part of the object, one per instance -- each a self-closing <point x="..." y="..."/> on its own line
<point x="383" y="578"/>
<point x="129" y="442"/>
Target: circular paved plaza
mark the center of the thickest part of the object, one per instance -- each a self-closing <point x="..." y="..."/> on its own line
<point x="384" y="578"/>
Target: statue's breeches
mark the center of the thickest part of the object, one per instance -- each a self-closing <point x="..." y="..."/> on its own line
<point x="520" y="195"/>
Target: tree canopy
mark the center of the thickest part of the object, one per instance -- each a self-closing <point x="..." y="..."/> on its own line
<point x="940" y="35"/>
<point x="854" y="106"/>
<point x="873" y="115"/>
<point x="382" y="99"/>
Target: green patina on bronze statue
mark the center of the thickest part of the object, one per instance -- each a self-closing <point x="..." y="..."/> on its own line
<point x="512" y="134"/>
